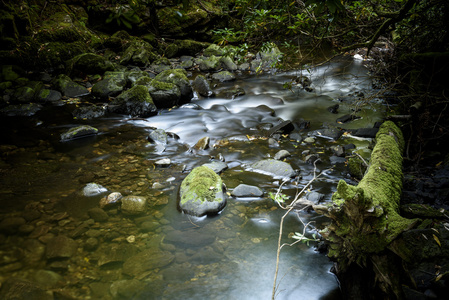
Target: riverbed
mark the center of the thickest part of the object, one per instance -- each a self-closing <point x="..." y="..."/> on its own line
<point x="228" y="256"/>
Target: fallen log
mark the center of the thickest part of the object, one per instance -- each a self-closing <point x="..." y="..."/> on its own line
<point x="365" y="220"/>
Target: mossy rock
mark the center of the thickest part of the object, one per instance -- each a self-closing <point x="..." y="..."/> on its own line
<point x="193" y="20"/>
<point x="213" y="49"/>
<point x="89" y="63"/>
<point x="201" y="193"/>
<point x="223" y="76"/>
<point x="179" y="78"/>
<point x="164" y="94"/>
<point x="69" y="88"/>
<point x="190" y="47"/>
<point x="11" y="72"/>
<point x="211" y="63"/>
<point x="78" y="132"/>
<point x="139" y="53"/>
<point x="136" y="102"/>
<point x="112" y="84"/>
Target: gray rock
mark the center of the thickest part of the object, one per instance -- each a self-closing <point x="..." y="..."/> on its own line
<point x="217" y="166"/>
<point x="133" y="205"/>
<point x="114" y="253"/>
<point x="223" y="76"/>
<point x="315" y="197"/>
<point x="10" y="225"/>
<point x="347" y="118"/>
<point x="164" y="162"/>
<point x="209" y="64"/>
<point x="164" y="94"/>
<point x="328" y="133"/>
<point x="274" y="168"/>
<point x="46" y="95"/>
<point x="126" y="289"/>
<point x="338" y="150"/>
<point x="311" y="158"/>
<point x="21" y="110"/>
<point x="202" y="144"/>
<point x="24" y="94"/>
<point x="228" y="63"/>
<point x="244" y="190"/>
<point x="89" y="63"/>
<point x="98" y="214"/>
<point x="158" y="136"/>
<point x="61" y="247"/>
<point x="337" y="160"/>
<point x="309" y="140"/>
<point x="232" y="93"/>
<point x="202" y="86"/>
<point x="46" y="278"/>
<point x="366" y="132"/>
<point x="213" y="49"/>
<point x="15" y="288"/>
<point x="280" y="155"/>
<point x="136" y="102"/>
<point x="111" y="200"/>
<point x="202" y="193"/>
<point x="111" y="85"/>
<point x="89" y="112"/>
<point x="68" y="88"/>
<point x="145" y="261"/>
<point x="179" y="78"/>
<point x="78" y="132"/>
<point x="93" y="189"/>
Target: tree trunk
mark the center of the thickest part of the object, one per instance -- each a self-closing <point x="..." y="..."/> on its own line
<point x="365" y="220"/>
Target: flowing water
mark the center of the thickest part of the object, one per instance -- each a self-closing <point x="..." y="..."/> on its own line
<point x="229" y="256"/>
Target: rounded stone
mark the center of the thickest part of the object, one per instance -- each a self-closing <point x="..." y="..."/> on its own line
<point x="133" y="205"/>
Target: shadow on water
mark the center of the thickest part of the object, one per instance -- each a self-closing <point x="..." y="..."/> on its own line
<point x="229" y="256"/>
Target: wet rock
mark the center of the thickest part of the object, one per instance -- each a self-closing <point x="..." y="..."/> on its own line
<point x="334" y="108"/>
<point x="315" y="197"/>
<point x="91" y="244"/>
<point x="11" y="225"/>
<point x="273" y="143"/>
<point x="213" y="49"/>
<point x="78" y="132"/>
<point x="338" y="150"/>
<point x="149" y="226"/>
<point x="111" y="200"/>
<point x="126" y="289"/>
<point x="146" y="260"/>
<point x="223" y="76"/>
<point x="202" y="86"/>
<point x="337" y="160"/>
<point x="158" y="136"/>
<point x="98" y="214"/>
<point x="312" y="158"/>
<point x="328" y="133"/>
<point x="114" y="253"/>
<point x="202" y="193"/>
<point x="202" y="144"/>
<point x="46" y="278"/>
<point x="138" y="53"/>
<point x="296" y="136"/>
<point x="211" y="63"/>
<point x="133" y="205"/>
<point x="160" y="65"/>
<point x="347" y="118"/>
<point x="89" y="112"/>
<point x="232" y="93"/>
<point x="111" y="85"/>
<point x="135" y="76"/>
<point x="269" y="56"/>
<point x="136" y="102"/>
<point x="21" y="110"/>
<point x="280" y="155"/>
<point x="47" y="95"/>
<point x="274" y="168"/>
<point x="24" y="94"/>
<point x="89" y="63"/>
<point x="165" y="162"/>
<point x="164" y="94"/>
<point x="244" y="190"/>
<point x="61" y="247"/>
<point x="283" y="127"/>
<point x="228" y="63"/>
<point x="93" y="189"/>
<point x="69" y="88"/>
<point x="217" y="166"/>
<point x="15" y="288"/>
<point x="179" y="78"/>
<point x="365" y="132"/>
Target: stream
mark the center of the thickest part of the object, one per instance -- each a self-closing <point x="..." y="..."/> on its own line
<point x="165" y="254"/>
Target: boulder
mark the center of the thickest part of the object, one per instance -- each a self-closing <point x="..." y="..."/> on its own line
<point x="209" y="63"/>
<point x="274" y="168"/>
<point x="201" y="193"/>
<point x="89" y="63"/>
<point x="78" y="132"/>
<point x="213" y="49"/>
<point x="89" y="112"/>
<point x="138" y="53"/>
<point x="133" y="205"/>
<point x="61" y="247"/>
<point x="111" y="85"/>
<point x="223" y="76"/>
<point x="228" y="63"/>
<point x="164" y="94"/>
<point x="179" y="78"/>
<point x="136" y="102"/>
<point x="22" y="110"/>
<point x="46" y="95"/>
<point x="328" y="133"/>
<point x="69" y="88"/>
<point x="217" y="166"/>
<point x="202" y="86"/>
<point x="244" y="190"/>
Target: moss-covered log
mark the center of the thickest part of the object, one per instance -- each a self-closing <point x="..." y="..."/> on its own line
<point x="365" y="218"/>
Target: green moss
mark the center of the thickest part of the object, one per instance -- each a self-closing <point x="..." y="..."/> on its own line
<point x="202" y="184"/>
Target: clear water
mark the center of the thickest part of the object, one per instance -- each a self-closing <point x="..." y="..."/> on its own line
<point x="230" y="256"/>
